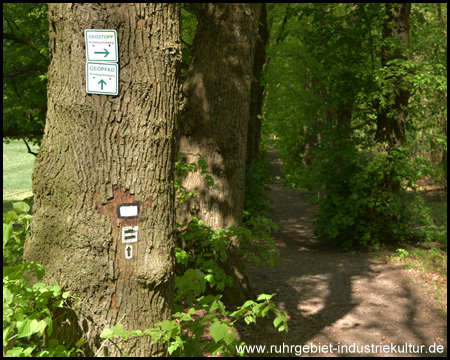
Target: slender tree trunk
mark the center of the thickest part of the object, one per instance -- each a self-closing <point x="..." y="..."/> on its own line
<point x="257" y="92"/>
<point x="100" y="151"/>
<point x="391" y="123"/>
<point x="215" y="121"/>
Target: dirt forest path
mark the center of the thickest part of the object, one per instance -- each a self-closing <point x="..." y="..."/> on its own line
<point x="337" y="298"/>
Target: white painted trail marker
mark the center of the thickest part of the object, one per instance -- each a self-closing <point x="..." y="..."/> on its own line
<point x="128" y="211"/>
<point x="101" y="45"/>
<point x="102" y="78"/>
<point x="128" y="251"/>
<point x="129" y="234"/>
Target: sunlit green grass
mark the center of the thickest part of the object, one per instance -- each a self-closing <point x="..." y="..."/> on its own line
<point x="17" y="169"/>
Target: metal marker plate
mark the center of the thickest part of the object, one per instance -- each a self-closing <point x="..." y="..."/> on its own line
<point x="101" y="45"/>
<point x="102" y="78"/>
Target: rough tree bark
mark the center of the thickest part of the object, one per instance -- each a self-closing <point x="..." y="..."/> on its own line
<point x="100" y="151"/>
<point x="215" y="119"/>
<point x="391" y="122"/>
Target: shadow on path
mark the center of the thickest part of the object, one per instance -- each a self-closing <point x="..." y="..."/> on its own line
<point x="336" y="298"/>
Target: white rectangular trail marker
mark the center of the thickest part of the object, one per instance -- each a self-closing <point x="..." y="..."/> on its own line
<point x="102" y="78"/>
<point x="101" y="45"/>
<point x="129" y="234"/>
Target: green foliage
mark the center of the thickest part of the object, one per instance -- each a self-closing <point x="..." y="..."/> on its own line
<point x="188" y="25"/>
<point x="308" y="90"/>
<point x="182" y="168"/>
<point x="25" y="65"/>
<point x="323" y="115"/>
<point x="185" y="334"/>
<point x="27" y="309"/>
<point x="204" y="248"/>
<point x="256" y="200"/>
<point x="201" y="248"/>
<point x="16" y="227"/>
<point x="369" y="197"/>
<point x="255" y="241"/>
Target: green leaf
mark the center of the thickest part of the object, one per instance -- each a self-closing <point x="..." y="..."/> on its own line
<point x="49" y="322"/>
<point x="249" y="319"/>
<point x="81" y="342"/>
<point x="29" y="327"/>
<point x="7" y="233"/>
<point x="277" y="321"/>
<point x="265" y="297"/>
<point x="223" y="255"/>
<point x="106" y="334"/>
<point x="118" y="328"/>
<point x="218" y="331"/>
<point x="7" y="296"/>
<point x="229" y="338"/>
<point x="6" y="334"/>
<point x="10" y="216"/>
<point x="173" y="346"/>
<point x="40" y="272"/>
<point x="21" y="207"/>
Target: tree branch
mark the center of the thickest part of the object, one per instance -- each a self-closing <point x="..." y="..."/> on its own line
<point x="32" y="44"/>
<point x="12" y="37"/>
<point x="15" y="88"/>
<point x="25" y="69"/>
<point x="28" y="147"/>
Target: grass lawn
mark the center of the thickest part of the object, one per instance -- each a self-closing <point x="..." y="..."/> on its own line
<point x="17" y="168"/>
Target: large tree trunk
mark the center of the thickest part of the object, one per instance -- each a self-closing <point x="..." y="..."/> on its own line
<point x="391" y="125"/>
<point x="215" y="120"/>
<point x="100" y="151"/>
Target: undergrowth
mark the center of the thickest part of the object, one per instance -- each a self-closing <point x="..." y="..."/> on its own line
<point x="27" y="311"/>
<point x="367" y="195"/>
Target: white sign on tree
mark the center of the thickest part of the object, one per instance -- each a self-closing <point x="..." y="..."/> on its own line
<point x="101" y="45"/>
<point x="102" y="78"/>
<point x="102" y="71"/>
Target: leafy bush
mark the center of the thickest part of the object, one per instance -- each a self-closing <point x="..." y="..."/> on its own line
<point x="26" y="308"/>
<point x="184" y="334"/>
<point x="256" y="200"/>
<point x="369" y="196"/>
<point x="201" y="249"/>
<point x="16" y="227"/>
<point x="198" y="255"/>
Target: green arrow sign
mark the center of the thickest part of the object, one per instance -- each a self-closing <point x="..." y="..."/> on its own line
<point x="101" y="82"/>
<point x="106" y="52"/>
<point x="102" y="78"/>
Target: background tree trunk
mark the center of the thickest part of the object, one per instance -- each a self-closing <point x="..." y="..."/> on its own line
<point x="99" y="151"/>
<point x="391" y="124"/>
<point x="257" y="92"/>
<point x="215" y="119"/>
